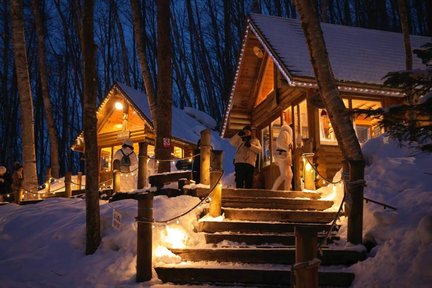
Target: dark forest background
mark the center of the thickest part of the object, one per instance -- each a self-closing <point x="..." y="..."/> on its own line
<point x="206" y="38"/>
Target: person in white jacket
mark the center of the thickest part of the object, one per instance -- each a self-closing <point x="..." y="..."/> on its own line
<point x="283" y="157"/>
<point x="248" y="147"/>
<point x="128" y="180"/>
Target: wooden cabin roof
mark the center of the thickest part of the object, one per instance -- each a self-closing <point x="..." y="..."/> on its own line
<point x="185" y="128"/>
<point x="356" y="54"/>
<point x="360" y="58"/>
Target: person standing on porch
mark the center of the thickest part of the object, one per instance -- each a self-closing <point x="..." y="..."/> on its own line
<point x="128" y="166"/>
<point x="283" y="158"/>
<point x="248" y="147"/>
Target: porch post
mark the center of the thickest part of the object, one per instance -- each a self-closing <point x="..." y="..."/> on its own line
<point x="48" y="182"/>
<point x="142" y="165"/>
<point x="144" y="237"/>
<point x="68" y="182"/>
<point x="306" y="266"/>
<point x="79" y="179"/>
<point x="215" y="174"/>
<point x="205" y="157"/>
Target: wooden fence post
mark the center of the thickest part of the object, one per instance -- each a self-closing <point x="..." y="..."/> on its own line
<point x="68" y="182"/>
<point x="305" y="270"/>
<point x="142" y="165"/>
<point x="215" y="174"/>
<point x="205" y="157"/>
<point x="48" y="182"/>
<point x="79" y="180"/>
<point x="355" y="211"/>
<point x="144" y="237"/>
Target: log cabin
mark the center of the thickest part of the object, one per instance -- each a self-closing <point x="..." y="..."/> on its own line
<point x="124" y="114"/>
<point x="275" y="82"/>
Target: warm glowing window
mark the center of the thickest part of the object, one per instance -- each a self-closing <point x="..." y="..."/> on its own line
<point x="365" y="127"/>
<point x="178" y="152"/>
<point x="150" y="150"/>
<point x="327" y="134"/>
<point x="267" y="82"/>
<point x="301" y="125"/>
<point x="265" y="141"/>
<point x="105" y="159"/>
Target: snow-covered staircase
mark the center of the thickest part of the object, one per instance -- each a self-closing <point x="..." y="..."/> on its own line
<point x="254" y="244"/>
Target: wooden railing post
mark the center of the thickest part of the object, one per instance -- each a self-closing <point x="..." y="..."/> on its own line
<point x="142" y="165"/>
<point x="48" y="182"/>
<point x="79" y="180"/>
<point x="144" y="237"/>
<point x="205" y="148"/>
<point x="306" y="268"/>
<point x="355" y="210"/>
<point x="68" y="182"/>
<point x="18" y="195"/>
<point x="215" y="175"/>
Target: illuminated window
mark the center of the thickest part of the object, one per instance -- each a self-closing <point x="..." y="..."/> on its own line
<point x="265" y="140"/>
<point x="327" y="134"/>
<point x="178" y="152"/>
<point x="267" y="82"/>
<point x="366" y="127"/>
<point x="304" y="125"/>
<point x="105" y="159"/>
<point x="150" y="150"/>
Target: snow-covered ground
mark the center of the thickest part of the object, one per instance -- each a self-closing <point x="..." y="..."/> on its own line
<point x="43" y="245"/>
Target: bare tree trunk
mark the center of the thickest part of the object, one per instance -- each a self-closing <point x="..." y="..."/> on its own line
<point x="123" y="46"/>
<point x="339" y="116"/>
<point x="30" y="180"/>
<point x="403" y="14"/>
<point x="90" y="140"/>
<point x="164" y="97"/>
<point x="142" y="58"/>
<point x="52" y="130"/>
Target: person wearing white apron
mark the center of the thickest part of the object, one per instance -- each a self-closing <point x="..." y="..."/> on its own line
<point x="283" y="157"/>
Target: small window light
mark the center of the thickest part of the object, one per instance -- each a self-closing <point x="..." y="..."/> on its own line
<point x="258" y="52"/>
<point x="118" y="105"/>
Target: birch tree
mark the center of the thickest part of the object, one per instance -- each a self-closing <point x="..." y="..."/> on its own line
<point x="30" y="180"/>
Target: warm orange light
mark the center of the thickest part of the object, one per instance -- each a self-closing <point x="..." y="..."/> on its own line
<point x="175" y="237"/>
<point x="118" y="105"/>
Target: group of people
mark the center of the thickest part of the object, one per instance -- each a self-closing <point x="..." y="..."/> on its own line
<point x="248" y="148"/>
<point x="10" y="183"/>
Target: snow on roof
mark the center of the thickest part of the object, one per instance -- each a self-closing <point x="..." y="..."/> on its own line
<point x="356" y="54"/>
<point x="186" y="124"/>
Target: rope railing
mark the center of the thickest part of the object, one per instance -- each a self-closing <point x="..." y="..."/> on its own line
<point x="305" y="156"/>
<point x="188" y="211"/>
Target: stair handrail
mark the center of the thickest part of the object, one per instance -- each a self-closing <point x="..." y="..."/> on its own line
<point x="379" y="203"/>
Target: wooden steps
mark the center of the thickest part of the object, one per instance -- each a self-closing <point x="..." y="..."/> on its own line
<point x="254" y="227"/>
<point x="278" y="215"/>
<point x="254" y="244"/>
<point x="276" y="203"/>
<point x="265" y="255"/>
<point x="259" y="239"/>
<point x="233" y="275"/>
